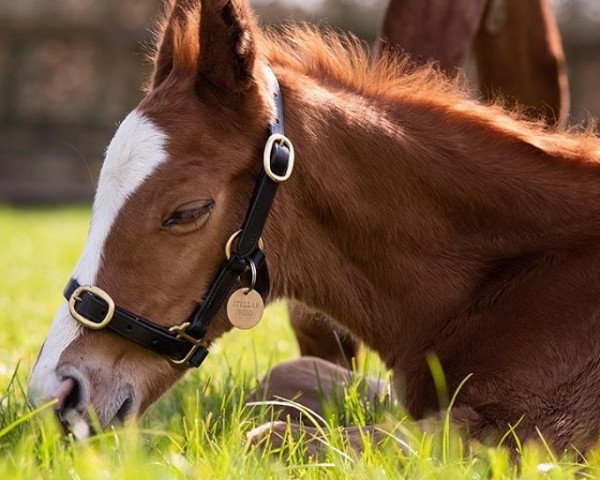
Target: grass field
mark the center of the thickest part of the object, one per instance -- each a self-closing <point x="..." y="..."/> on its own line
<point x="198" y="429"/>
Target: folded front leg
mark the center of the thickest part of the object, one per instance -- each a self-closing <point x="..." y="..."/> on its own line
<point x="463" y="422"/>
<point x="276" y="435"/>
<point x="311" y="382"/>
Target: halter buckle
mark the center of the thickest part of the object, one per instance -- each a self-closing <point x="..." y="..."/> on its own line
<point x="97" y="292"/>
<point x="284" y="141"/>
<point x="180" y="330"/>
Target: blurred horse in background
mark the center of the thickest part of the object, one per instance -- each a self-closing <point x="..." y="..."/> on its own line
<point x="518" y="55"/>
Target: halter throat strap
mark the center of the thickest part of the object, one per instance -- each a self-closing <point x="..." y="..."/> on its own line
<point x="184" y="344"/>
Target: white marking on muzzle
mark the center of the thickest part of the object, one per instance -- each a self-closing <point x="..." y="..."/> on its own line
<point x="136" y="150"/>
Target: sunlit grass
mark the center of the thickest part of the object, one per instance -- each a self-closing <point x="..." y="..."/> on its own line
<point x="198" y="429"/>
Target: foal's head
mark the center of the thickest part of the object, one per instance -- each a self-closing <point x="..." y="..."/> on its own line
<point x="175" y="184"/>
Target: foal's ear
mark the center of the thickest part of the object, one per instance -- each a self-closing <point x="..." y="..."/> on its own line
<point x="227" y="45"/>
<point x="171" y="37"/>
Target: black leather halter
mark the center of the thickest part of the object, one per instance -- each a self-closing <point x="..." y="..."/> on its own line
<point x="184" y="344"/>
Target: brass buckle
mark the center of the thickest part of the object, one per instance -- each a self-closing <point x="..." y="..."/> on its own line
<point x="229" y="244"/>
<point x="180" y="331"/>
<point x="282" y="140"/>
<point x="97" y="292"/>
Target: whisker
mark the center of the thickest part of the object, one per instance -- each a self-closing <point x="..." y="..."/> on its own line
<point x="86" y="163"/>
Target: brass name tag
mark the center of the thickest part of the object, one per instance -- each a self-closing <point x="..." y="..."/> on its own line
<point x="245" y="309"/>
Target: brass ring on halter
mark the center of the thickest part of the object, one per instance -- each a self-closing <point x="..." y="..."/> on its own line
<point x="229" y="244"/>
<point x="254" y="275"/>
<point x="284" y="141"/>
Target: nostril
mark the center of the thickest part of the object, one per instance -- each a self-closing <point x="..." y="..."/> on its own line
<point x="72" y="398"/>
<point x="68" y="395"/>
<point x="124" y="410"/>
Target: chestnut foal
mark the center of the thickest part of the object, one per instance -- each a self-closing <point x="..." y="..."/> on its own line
<point x="518" y="55"/>
<point x="421" y="220"/>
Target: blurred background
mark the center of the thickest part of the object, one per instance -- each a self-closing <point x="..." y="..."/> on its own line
<point x="71" y="69"/>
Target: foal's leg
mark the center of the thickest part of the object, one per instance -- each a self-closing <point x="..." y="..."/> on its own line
<point x="315" y="440"/>
<point x="309" y="381"/>
<point x="518" y="49"/>
<point x="318" y="337"/>
<point x="439" y="30"/>
<point x="464" y="421"/>
<point x="519" y="54"/>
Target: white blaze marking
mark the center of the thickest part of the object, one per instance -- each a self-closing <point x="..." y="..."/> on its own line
<point x="136" y="150"/>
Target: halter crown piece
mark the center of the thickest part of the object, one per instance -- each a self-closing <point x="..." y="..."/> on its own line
<point x="184" y="344"/>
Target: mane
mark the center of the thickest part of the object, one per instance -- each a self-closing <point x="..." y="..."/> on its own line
<point x="344" y="61"/>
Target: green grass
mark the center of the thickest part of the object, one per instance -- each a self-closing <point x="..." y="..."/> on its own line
<point x="198" y="429"/>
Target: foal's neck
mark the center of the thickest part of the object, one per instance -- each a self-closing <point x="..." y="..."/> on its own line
<point x="395" y="210"/>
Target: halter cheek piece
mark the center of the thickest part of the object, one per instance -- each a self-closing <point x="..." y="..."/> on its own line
<point x="184" y="344"/>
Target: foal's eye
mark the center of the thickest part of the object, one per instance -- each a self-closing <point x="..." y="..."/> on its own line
<point x="190" y="214"/>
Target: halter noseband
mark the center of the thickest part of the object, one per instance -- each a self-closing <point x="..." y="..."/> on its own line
<point x="184" y="344"/>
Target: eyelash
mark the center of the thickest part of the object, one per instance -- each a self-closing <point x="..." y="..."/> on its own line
<point x="188" y="216"/>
